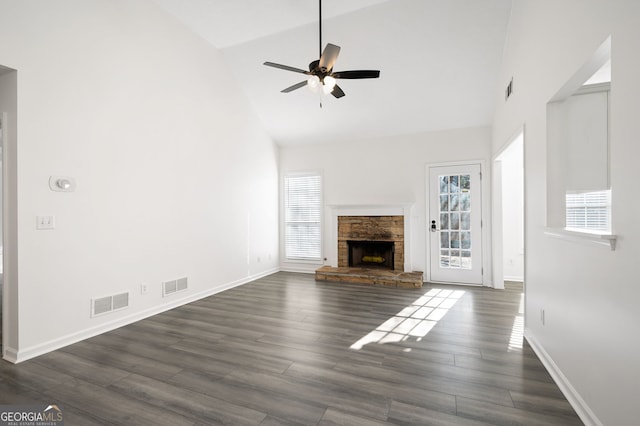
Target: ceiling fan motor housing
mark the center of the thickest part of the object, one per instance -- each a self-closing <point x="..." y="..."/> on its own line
<point x="316" y="69"/>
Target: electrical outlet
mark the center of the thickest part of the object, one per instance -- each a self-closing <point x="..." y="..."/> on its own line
<point x="45" y="222"/>
<point x="144" y="288"/>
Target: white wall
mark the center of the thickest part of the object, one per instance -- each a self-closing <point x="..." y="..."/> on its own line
<point x="589" y="293"/>
<point x="385" y="171"/>
<point x="175" y="175"/>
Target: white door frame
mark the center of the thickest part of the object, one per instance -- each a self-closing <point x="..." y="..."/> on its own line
<point x="10" y="330"/>
<point x="485" y="211"/>
<point x="3" y="191"/>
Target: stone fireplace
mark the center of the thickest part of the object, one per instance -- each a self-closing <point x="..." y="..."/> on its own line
<point x="371" y="241"/>
<point x="370" y="246"/>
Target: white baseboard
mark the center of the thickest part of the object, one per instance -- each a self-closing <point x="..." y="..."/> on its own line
<point x="300" y="268"/>
<point x="514" y="278"/>
<point x="10" y="354"/>
<point x="585" y="413"/>
<point x="17" y="356"/>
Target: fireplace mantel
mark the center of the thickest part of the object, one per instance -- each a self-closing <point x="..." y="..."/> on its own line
<point x="401" y="209"/>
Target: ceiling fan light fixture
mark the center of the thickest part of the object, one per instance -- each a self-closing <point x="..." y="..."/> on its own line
<point x="313" y="83"/>
<point x="328" y="83"/>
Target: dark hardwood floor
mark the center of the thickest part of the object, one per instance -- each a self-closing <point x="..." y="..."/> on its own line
<point x="286" y="349"/>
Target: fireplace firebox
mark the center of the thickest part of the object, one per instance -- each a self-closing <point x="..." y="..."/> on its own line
<point x="371" y="254"/>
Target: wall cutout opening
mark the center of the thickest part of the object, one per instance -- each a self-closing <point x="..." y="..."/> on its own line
<point x="578" y="177"/>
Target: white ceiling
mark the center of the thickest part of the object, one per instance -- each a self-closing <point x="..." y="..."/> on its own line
<point x="439" y="62"/>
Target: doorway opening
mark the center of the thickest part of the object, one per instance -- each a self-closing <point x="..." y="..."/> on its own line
<point x="508" y="212"/>
<point x="509" y="228"/>
<point x="513" y="210"/>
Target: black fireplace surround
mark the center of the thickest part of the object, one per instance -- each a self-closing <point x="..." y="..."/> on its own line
<point x="371" y="254"/>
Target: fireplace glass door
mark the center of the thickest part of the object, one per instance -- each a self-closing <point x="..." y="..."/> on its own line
<point x="455" y="225"/>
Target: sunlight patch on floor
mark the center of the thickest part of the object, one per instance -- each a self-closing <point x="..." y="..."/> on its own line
<point x="517" y="331"/>
<point x="415" y="320"/>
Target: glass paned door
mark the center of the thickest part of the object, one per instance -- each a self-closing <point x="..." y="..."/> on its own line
<point x="455" y="236"/>
<point x="454" y="211"/>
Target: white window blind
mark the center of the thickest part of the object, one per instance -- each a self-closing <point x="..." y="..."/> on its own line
<point x="303" y="209"/>
<point x="589" y="210"/>
<point x="586" y="143"/>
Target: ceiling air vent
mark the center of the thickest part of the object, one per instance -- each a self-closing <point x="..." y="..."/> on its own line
<point x="509" y="90"/>
<point x="108" y="304"/>
<point x="173" y="286"/>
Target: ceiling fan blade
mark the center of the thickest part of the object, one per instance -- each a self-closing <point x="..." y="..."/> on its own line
<point x="337" y="92"/>
<point x="356" y="74"/>
<point x="329" y="56"/>
<point x="286" y="67"/>
<point x="294" y="87"/>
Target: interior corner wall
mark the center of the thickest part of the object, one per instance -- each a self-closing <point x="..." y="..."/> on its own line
<point x="589" y="293"/>
<point x="386" y="171"/>
<point x="176" y="176"/>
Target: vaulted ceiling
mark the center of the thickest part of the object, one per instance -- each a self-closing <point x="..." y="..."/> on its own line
<point x="439" y="62"/>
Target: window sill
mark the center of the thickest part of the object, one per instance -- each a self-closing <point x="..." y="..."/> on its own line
<point x="584" y="236"/>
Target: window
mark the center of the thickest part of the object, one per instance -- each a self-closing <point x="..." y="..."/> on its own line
<point x="303" y="211"/>
<point x="589" y="211"/>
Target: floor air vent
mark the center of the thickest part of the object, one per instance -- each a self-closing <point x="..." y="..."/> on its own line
<point x="173" y="286"/>
<point x="108" y="304"/>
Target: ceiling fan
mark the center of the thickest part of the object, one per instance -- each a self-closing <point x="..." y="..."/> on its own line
<point x="321" y="74"/>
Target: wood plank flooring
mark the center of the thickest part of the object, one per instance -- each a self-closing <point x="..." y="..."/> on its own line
<point x="287" y="350"/>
